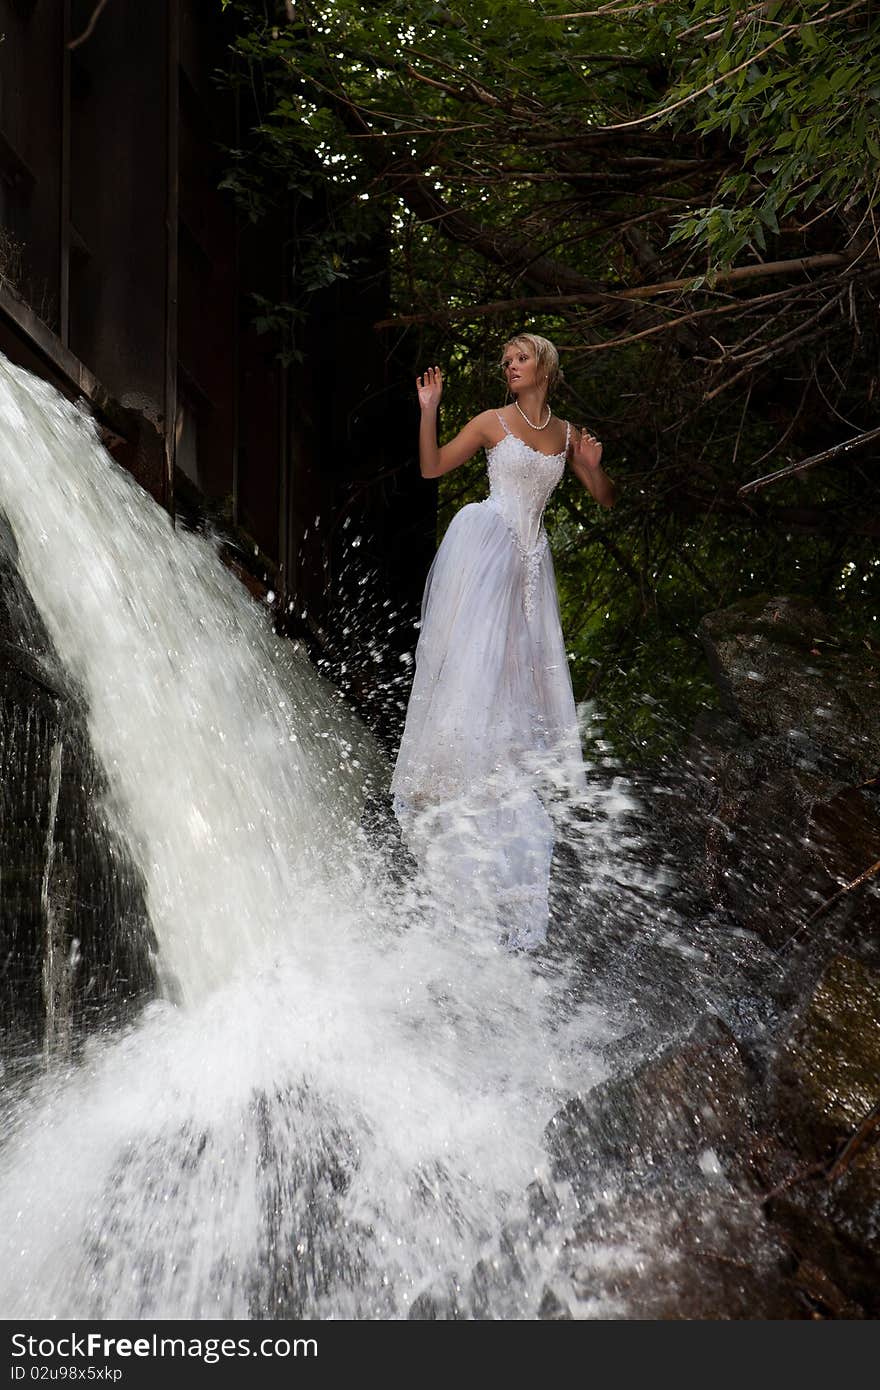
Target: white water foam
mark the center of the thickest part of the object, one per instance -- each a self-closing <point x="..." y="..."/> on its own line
<point x="341" y="1098"/>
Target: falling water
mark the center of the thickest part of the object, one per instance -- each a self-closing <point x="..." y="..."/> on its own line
<point x="336" y="1106"/>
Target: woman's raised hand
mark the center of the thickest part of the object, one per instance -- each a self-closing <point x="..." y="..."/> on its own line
<point x="430" y="388"/>
<point x="587" y="448"/>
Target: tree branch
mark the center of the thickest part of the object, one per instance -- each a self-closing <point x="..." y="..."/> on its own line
<point x="827" y="455"/>
<point x="600" y="294"/>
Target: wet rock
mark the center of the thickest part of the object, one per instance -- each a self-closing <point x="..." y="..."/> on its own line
<point x="495" y="1284"/>
<point x="844" y="832"/>
<point x="758" y="863"/>
<point x="310" y="1254"/>
<point x="674" y="1253"/>
<point x="714" y="735"/>
<point x="552" y="1308"/>
<point x="780" y="843"/>
<point x="788" y="819"/>
<point x="823" y="1293"/>
<point x="543" y="1203"/>
<point x="709" y="1179"/>
<point x="844" y="835"/>
<point x="805" y="1219"/>
<point x="382" y="831"/>
<point x="781" y="673"/>
<point x="75" y="941"/>
<point x="828" y="1072"/>
<point x="440" y="1305"/>
<point x="823" y="1094"/>
<point x="689" y="1101"/>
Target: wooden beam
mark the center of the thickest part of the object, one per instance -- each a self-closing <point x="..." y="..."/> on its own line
<point x="21" y="317"/>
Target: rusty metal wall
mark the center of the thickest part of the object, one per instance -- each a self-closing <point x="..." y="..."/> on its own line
<point x="126" y="276"/>
<point x="114" y="235"/>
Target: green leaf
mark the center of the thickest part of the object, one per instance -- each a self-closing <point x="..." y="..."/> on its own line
<point x="767" y="215"/>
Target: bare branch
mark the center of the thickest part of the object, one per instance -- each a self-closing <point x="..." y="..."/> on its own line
<point x="827" y="455"/>
<point x="856" y="1141"/>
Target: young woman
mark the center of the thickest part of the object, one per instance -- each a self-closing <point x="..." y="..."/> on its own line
<point x="491" y="717"/>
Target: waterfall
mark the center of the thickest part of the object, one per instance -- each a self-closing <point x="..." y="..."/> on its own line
<point x="336" y="1105"/>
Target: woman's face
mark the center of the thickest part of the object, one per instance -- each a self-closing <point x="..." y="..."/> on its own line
<point x="519" y="367"/>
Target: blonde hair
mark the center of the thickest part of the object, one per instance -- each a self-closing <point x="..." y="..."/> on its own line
<point x="545" y="355"/>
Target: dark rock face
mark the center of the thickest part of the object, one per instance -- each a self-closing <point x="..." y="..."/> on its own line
<point x="690" y="1243"/>
<point x="706" y="1191"/>
<point x="825" y="1100"/>
<point x="678" y="1254"/>
<point x="781" y="674"/>
<point x="691" y="1098"/>
<point x="75" y="944"/>
<point x="827" y="1077"/>
<point x="792" y="801"/>
<point x="735" y="1173"/>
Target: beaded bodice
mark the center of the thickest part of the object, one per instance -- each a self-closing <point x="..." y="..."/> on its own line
<point x="521" y="480"/>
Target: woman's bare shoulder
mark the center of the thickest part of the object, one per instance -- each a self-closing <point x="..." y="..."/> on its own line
<point x="484" y="426"/>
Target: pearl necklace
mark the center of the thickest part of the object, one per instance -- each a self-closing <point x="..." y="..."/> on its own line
<point x="528" y="421"/>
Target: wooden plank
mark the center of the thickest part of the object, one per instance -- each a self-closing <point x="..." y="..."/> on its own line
<point x="64" y="196"/>
<point x="171" y="231"/>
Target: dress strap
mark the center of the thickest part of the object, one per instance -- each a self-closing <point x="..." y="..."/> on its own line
<point x="507" y="429"/>
<point x="567" y="435"/>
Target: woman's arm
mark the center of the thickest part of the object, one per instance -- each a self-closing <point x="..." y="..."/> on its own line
<point x="434" y="461"/>
<point x="586" y="465"/>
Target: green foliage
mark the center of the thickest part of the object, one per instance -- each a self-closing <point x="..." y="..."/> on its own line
<point x="789" y="93"/>
<point x="795" y="90"/>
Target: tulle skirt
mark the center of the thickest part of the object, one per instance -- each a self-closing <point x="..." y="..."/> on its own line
<point x="491" y="736"/>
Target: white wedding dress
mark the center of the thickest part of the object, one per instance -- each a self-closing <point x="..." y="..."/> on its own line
<point x="491" y="729"/>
